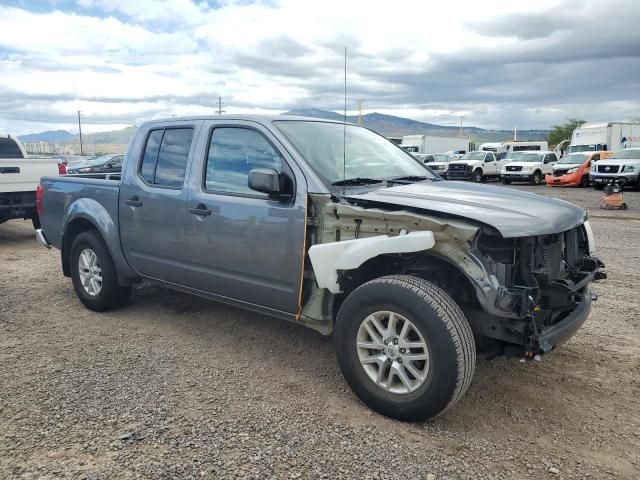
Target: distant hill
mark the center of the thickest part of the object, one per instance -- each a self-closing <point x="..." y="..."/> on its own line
<point x="392" y="126"/>
<point x="52" y="136"/>
<point x="111" y="137"/>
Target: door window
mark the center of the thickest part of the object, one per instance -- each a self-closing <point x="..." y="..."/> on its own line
<point x="233" y="153"/>
<point x="165" y="157"/>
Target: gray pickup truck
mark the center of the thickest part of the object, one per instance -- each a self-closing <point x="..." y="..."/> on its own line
<point x="334" y="227"/>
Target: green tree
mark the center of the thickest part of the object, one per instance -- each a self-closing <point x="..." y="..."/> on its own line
<point x="562" y="132"/>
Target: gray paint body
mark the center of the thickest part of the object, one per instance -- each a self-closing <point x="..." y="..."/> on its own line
<point x="249" y="250"/>
<point x="513" y="213"/>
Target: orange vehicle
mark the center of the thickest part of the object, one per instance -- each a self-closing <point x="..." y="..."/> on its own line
<point x="572" y="170"/>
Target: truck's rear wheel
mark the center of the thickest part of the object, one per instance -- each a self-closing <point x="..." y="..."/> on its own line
<point x="94" y="275"/>
<point x="405" y="347"/>
<point x="478" y="176"/>
<point x="598" y="186"/>
<point x="506" y="181"/>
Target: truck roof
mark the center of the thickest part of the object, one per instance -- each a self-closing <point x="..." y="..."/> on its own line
<point x="251" y="118"/>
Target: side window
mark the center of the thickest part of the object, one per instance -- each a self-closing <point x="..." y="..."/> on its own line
<point x="172" y="159"/>
<point x="116" y="162"/>
<point x="165" y="157"/>
<point x="595" y="158"/>
<point x="150" y="157"/>
<point x="233" y="153"/>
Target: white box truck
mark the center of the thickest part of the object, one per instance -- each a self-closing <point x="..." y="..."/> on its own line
<point x="612" y="136"/>
<point x="434" y="144"/>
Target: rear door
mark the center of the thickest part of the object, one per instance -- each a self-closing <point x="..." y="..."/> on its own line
<point x="153" y="201"/>
<point x="241" y="243"/>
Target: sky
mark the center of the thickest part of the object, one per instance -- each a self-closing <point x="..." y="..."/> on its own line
<point x="497" y="63"/>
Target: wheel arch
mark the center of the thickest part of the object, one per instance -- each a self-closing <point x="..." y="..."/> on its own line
<point x="429" y="266"/>
<point x="87" y="214"/>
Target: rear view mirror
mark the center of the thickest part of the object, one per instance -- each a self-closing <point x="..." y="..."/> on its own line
<point x="266" y="180"/>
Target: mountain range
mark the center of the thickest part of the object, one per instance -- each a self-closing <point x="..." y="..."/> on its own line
<point x="388" y="125"/>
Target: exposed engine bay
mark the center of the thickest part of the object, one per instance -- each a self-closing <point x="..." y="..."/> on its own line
<point x="518" y="294"/>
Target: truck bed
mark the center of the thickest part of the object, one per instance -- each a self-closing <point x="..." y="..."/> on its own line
<point x="95" y="193"/>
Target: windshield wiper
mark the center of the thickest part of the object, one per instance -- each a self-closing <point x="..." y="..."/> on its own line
<point x="357" y="181"/>
<point x="412" y="178"/>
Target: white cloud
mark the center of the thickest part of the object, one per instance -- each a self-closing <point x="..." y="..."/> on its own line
<point x="122" y="61"/>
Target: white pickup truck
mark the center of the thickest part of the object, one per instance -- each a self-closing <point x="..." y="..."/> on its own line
<point x="19" y="179"/>
<point x="477" y="166"/>
<point x="528" y="166"/>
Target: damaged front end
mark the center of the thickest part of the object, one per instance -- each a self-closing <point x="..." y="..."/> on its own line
<point x="521" y="296"/>
<point x="542" y="293"/>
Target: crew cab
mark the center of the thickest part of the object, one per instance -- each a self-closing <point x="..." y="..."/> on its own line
<point x="19" y="179"/>
<point x="623" y="166"/>
<point x="572" y="170"/>
<point x="414" y="276"/>
<point x="477" y="166"/>
<point x="528" y="166"/>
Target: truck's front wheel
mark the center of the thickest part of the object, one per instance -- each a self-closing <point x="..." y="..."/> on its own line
<point x="94" y="275"/>
<point x="478" y="176"/>
<point x="405" y="347"/>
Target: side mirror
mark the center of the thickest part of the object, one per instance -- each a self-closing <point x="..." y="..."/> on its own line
<point x="267" y="181"/>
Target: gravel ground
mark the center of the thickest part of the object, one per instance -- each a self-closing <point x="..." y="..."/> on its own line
<point x="173" y="386"/>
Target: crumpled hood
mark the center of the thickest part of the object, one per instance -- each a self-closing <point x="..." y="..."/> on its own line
<point x="513" y="213"/>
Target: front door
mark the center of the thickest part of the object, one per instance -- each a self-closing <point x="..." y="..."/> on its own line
<point x="153" y="203"/>
<point x="241" y="243"/>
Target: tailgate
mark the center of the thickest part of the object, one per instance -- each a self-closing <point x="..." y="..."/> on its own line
<point x="23" y="174"/>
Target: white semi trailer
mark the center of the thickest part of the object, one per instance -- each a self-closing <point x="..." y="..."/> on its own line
<point x="612" y="136"/>
<point x="434" y="144"/>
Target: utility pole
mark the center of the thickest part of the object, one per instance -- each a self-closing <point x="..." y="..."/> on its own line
<point x="80" y="132"/>
<point x="360" y="100"/>
<point x="515" y="134"/>
<point x="461" y="122"/>
<point x="220" y="110"/>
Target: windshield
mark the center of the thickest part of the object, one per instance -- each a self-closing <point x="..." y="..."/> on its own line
<point x="442" y="157"/>
<point x="473" y="156"/>
<point x="627" y="154"/>
<point x="368" y="155"/>
<point x="100" y="160"/>
<point x="525" y="157"/>
<point x="574" y="158"/>
<point x="582" y="148"/>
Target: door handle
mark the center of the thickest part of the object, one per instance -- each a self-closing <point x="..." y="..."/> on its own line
<point x="201" y="210"/>
<point x="134" y="202"/>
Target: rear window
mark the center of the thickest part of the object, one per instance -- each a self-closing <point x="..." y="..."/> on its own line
<point x="9" y="148"/>
<point x="165" y="157"/>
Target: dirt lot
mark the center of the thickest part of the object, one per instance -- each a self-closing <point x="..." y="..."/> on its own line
<point x="173" y="386"/>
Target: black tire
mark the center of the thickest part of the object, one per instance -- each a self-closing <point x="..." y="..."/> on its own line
<point x="598" y="186"/>
<point x="506" y="181"/>
<point x="536" y="178"/>
<point x="584" y="182"/>
<point x="478" y="176"/>
<point x="451" y="347"/>
<point x="111" y="295"/>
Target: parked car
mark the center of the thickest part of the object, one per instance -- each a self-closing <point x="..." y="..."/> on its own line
<point x="624" y="166"/>
<point x="410" y="273"/>
<point x="572" y="170"/>
<point x="529" y="166"/>
<point x="19" y="178"/>
<point x="104" y="164"/>
<point x="440" y="165"/>
<point x="477" y="166"/>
